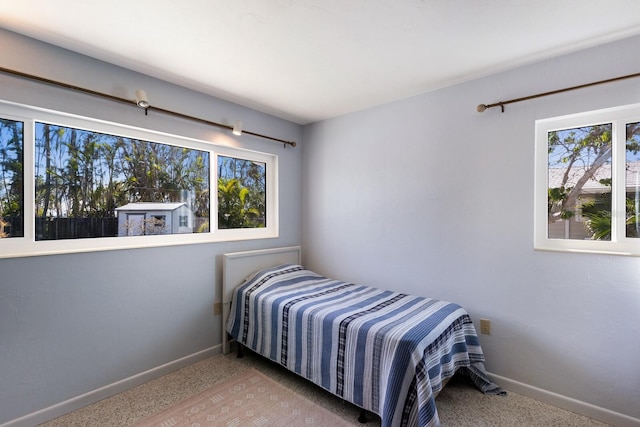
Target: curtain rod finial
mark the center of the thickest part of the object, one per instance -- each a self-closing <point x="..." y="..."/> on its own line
<point x="480" y="108"/>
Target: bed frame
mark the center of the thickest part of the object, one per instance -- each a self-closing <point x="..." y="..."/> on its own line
<point x="237" y="266"/>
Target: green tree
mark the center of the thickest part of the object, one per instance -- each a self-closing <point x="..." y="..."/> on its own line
<point x="241" y="193"/>
<point x="234" y="211"/>
<point x="11" y="168"/>
<point x="579" y="152"/>
<point x="11" y="178"/>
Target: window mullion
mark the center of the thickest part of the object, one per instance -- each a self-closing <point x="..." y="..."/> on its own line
<point x="29" y="174"/>
<point x="618" y="183"/>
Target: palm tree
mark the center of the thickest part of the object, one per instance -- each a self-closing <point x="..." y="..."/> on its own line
<point x="598" y="215"/>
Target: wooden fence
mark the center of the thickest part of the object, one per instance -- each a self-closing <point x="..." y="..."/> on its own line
<point x="75" y="228"/>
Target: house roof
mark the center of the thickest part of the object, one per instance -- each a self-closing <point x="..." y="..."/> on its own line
<point x="149" y="206"/>
<point x="594" y="185"/>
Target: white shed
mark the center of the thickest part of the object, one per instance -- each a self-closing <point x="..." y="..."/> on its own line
<point x="136" y="219"/>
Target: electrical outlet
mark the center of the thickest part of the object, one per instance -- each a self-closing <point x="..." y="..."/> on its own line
<point x="485" y="326"/>
<point x="217" y="308"/>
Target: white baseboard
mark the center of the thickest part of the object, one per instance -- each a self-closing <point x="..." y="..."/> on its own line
<point x="78" y="402"/>
<point x="595" y="412"/>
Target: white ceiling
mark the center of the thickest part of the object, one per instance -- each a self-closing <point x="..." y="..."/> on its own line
<point x="307" y="60"/>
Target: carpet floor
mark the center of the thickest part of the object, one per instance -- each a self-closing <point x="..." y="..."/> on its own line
<point x="249" y="398"/>
<point x="460" y="404"/>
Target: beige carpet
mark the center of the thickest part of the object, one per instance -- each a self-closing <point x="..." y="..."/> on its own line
<point x="246" y="399"/>
<point x="460" y="404"/>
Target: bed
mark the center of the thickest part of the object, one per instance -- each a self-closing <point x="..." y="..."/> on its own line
<point x="386" y="352"/>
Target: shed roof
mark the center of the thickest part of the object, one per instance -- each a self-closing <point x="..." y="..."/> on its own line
<point x="150" y="206"/>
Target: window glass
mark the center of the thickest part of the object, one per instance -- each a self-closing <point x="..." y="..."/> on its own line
<point x="90" y="184"/>
<point x="632" y="169"/>
<point x="242" y="193"/>
<point x="579" y="183"/>
<point x="11" y="178"/>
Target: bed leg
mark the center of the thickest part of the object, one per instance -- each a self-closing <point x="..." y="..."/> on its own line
<point x="362" y="419"/>
<point x="240" y="353"/>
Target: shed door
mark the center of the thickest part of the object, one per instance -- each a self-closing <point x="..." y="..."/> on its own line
<point x="135" y="224"/>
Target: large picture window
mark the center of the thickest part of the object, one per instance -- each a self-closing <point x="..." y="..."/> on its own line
<point x="94" y="185"/>
<point x="588" y="182"/>
<point x="90" y="184"/>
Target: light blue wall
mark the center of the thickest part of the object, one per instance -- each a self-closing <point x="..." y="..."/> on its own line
<point x="70" y="324"/>
<point x="427" y="196"/>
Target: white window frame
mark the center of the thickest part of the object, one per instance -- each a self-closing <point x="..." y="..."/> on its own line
<point x="619" y="243"/>
<point x="28" y="246"/>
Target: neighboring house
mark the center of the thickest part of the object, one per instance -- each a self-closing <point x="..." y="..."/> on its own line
<point x="575" y="227"/>
<point x="135" y="219"/>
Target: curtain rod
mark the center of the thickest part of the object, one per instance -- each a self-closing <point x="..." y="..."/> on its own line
<point x="480" y="108"/>
<point x="134" y="103"/>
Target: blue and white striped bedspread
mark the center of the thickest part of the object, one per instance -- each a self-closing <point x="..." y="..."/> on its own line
<point x="386" y="352"/>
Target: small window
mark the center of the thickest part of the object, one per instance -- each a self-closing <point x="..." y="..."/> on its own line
<point x="587" y="182"/>
<point x="246" y="200"/>
<point x="157" y="225"/>
<point x="242" y="195"/>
